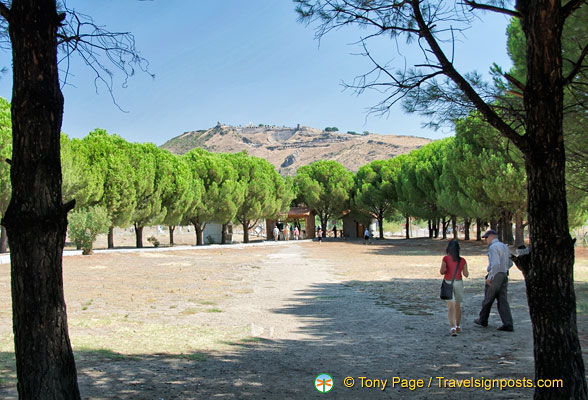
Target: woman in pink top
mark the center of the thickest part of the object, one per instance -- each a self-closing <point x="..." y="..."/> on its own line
<point x="448" y="265"/>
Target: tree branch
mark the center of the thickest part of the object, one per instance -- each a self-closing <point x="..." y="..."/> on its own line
<point x="571" y="6"/>
<point x="495" y="9"/>
<point x="5" y="12"/>
<point x="464" y="85"/>
<point x="99" y="49"/>
<point x="514" y="81"/>
<point x="577" y="66"/>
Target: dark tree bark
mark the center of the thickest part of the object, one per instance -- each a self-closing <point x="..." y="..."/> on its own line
<point x="549" y="278"/>
<point x="111" y="237"/>
<point x="444" y="225"/>
<point x="3" y="240"/>
<point x="224" y="234"/>
<point x="506" y="223"/>
<point x="199" y="231"/>
<point x="408" y="227"/>
<point x="324" y="225"/>
<point x="139" y="236"/>
<point x="467" y="223"/>
<point x="431" y="229"/>
<point x="36" y="218"/>
<point x="171" y="235"/>
<point x="478" y="229"/>
<point x="381" y="225"/>
<point x="246" y="232"/>
<point x="454" y="227"/>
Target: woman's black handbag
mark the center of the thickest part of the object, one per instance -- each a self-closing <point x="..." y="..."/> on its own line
<point x="447" y="288"/>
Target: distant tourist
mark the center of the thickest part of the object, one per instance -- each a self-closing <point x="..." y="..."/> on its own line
<point x="366" y="236"/>
<point x="296" y="233"/>
<point x="276" y="232"/>
<point x="449" y="264"/>
<point x="319" y="235"/>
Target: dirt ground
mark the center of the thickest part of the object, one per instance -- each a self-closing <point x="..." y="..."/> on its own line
<point x="262" y="321"/>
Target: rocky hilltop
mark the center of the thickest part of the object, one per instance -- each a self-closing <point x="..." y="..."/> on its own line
<point x="290" y="148"/>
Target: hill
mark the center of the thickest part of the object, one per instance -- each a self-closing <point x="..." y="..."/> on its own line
<point x="290" y="148"/>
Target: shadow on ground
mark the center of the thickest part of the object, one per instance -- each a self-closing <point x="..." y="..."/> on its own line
<point x="415" y="247"/>
<point x="370" y="329"/>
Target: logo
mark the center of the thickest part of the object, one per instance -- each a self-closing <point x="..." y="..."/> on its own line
<point x="323" y="383"/>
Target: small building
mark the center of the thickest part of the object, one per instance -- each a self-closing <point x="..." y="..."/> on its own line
<point x="213" y="233"/>
<point x="299" y="216"/>
<point x="353" y="229"/>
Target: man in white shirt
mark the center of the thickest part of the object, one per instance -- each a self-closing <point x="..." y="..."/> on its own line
<point x="496" y="287"/>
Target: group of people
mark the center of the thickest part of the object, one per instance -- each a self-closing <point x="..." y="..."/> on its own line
<point x="288" y="231"/>
<point x="454" y="268"/>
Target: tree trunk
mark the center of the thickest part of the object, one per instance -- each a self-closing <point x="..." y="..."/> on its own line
<point x="3" y="240"/>
<point x="454" y="227"/>
<point x="467" y="224"/>
<point x="495" y="225"/>
<point x="224" y="234"/>
<point x="324" y="225"/>
<point x="519" y="230"/>
<point x="111" y="237"/>
<point x="36" y="218"/>
<point x="246" y="232"/>
<point x="549" y="278"/>
<point x="171" y="235"/>
<point x="506" y="222"/>
<point x="478" y="229"/>
<point x="199" y="234"/>
<point x="139" y="236"/>
<point x="408" y="227"/>
<point x="549" y="281"/>
<point x="444" y="224"/>
<point x="431" y="229"/>
<point x="381" y="226"/>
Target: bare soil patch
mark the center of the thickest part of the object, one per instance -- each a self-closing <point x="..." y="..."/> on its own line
<point x="261" y="322"/>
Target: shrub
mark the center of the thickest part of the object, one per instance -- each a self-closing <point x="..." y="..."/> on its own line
<point x="153" y="240"/>
<point x="85" y="225"/>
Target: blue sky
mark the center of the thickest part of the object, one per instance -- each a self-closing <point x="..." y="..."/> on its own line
<point x="241" y="62"/>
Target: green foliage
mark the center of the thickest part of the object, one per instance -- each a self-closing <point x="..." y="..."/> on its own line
<point x="331" y="129"/>
<point x="5" y="153"/>
<point x="80" y="181"/>
<point x="575" y="122"/>
<point x="324" y="186"/>
<point x="108" y="155"/>
<point x="149" y="183"/>
<point x="419" y="184"/>
<point x="85" y="225"/>
<point x="179" y="192"/>
<point x="266" y="193"/>
<point x="221" y="192"/>
<point x="489" y="172"/>
<point x="374" y="192"/>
